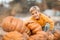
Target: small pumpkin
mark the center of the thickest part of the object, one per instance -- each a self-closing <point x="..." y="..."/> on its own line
<point x="14" y="35"/>
<point x="35" y="27"/>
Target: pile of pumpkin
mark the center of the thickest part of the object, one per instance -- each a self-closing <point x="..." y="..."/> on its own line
<point x="20" y="30"/>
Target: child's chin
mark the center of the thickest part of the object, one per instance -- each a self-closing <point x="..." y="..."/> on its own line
<point x="37" y="18"/>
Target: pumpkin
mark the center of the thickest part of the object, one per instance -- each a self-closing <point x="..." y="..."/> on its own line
<point x="50" y="36"/>
<point x="11" y="23"/>
<point x="57" y="35"/>
<point x="27" y="30"/>
<point x="14" y="35"/>
<point x="26" y="36"/>
<point x="35" y="27"/>
<point x="40" y="36"/>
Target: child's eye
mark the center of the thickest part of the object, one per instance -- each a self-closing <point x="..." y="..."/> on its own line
<point x="32" y="14"/>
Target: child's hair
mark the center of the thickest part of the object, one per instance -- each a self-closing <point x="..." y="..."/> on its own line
<point x="34" y="8"/>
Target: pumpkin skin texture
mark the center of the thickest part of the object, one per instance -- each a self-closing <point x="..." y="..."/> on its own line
<point x="26" y="30"/>
<point x="50" y="36"/>
<point x="10" y="24"/>
<point x="14" y="35"/>
<point x="57" y="35"/>
<point x="40" y="36"/>
<point x="35" y="27"/>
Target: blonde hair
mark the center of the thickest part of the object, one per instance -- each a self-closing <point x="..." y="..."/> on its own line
<point x="34" y="8"/>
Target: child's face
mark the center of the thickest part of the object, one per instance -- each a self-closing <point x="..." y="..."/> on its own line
<point x="35" y="14"/>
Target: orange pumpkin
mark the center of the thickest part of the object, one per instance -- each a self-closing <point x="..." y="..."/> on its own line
<point x="11" y="23"/>
<point x="14" y="35"/>
<point x="50" y="36"/>
<point x="35" y="27"/>
<point x="40" y="36"/>
<point x="27" y="30"/>
<point x="57" y="35"/>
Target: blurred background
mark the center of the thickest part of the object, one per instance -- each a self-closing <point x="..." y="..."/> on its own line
<point x="20" y="9"/>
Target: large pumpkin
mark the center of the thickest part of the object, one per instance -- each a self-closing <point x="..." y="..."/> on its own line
<point x="35" y="27"/>
<point x="40" y="36"/>
<point x="14" y="35"/>
<point x="11" y="23"/>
